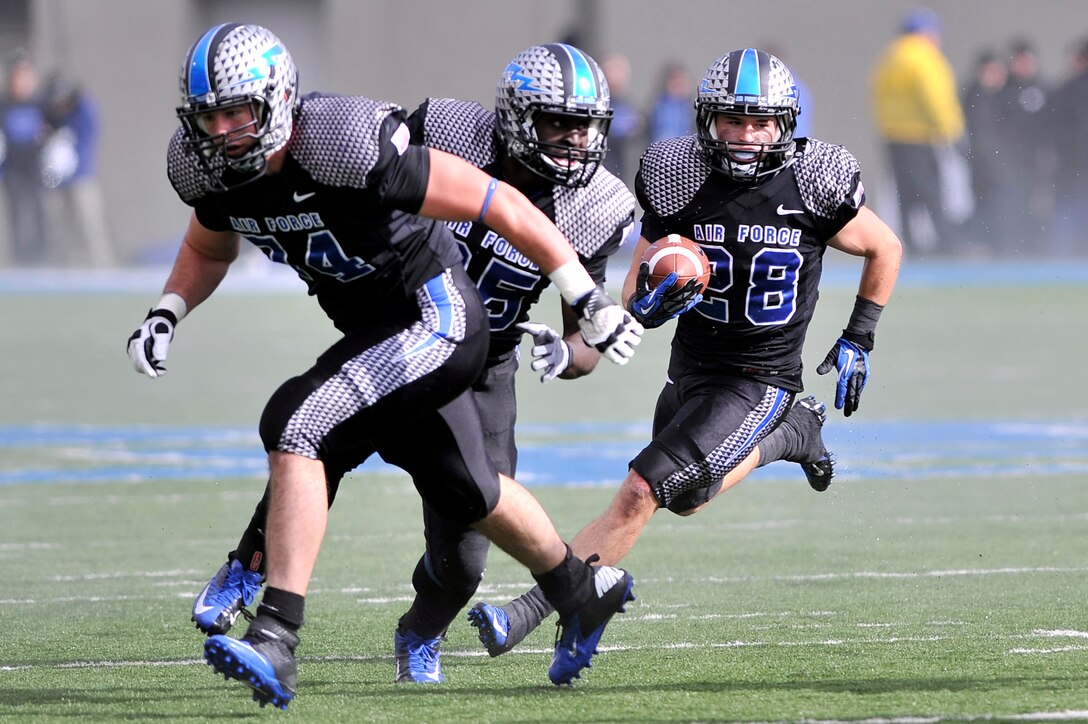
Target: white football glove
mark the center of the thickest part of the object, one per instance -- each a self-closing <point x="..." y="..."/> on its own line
<point x="551" y="353"/>
<point x="607" y="326"/>
<point x="148" y="345"/>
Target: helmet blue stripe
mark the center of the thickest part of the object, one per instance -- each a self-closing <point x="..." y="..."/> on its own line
<point x="748" y="74"/>
<point x="582" y="81"/>
<point x="200" y="82"/>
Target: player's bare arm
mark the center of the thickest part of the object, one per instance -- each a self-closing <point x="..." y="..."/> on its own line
<point x="868" y="236"/>
<point x="503" y="208"/>
<point x="604" y="324"/>
<point x="202" y="262"/>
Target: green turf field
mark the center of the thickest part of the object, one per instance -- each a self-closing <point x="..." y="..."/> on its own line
<point x="942" y="578"/>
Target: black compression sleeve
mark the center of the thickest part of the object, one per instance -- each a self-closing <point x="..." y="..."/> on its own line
<point x="861" y="329"/>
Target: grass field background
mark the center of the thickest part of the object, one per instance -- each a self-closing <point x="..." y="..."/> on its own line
<point x="943" y="577"/>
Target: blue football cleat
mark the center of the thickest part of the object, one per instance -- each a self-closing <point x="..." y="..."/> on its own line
<point x="578" y="634"/>
<point x="493" y="628"/>
<point x="263" y="660"/>
<point x="417" y="658"/>
<point x="226" y="596"/>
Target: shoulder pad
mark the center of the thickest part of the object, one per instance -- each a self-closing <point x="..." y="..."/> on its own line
<point x="184" y="171"/>
<point x="591" y="215"/>
<point x="463" y="128"/>
<point x="336" y="138"/>
<point x="828" y="176"/>
<point x="671" y="172"/>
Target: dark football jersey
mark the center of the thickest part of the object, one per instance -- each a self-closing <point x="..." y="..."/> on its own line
<point x="596" y="219"/>
<point x="339" y="212"/>
<point x="765" y="244"/>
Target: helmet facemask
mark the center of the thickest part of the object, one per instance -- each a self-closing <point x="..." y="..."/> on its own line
<point x="215" y="152"/>
<point x="562" y="163"/>
<point x="557" y="80"/>
<point x="234" y="67"/>
<point x="747" y="82"/>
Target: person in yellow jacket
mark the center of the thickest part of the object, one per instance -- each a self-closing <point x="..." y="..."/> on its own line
<point x="915" y="103"/>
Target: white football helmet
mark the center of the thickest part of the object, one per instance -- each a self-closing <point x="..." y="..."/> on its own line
<point x="560" y="79"/>
<point x="234" y="65"/>
<point x="753" y="83"/>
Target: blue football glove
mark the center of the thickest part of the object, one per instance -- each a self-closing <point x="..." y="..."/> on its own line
<point x="852" y="363"/>
<point x="654" y="307"/>
<point x="551" y="353"/>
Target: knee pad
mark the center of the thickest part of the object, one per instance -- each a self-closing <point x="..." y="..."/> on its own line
<point x="454" y="574"/>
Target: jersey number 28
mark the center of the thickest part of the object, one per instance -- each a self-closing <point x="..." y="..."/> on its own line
<point x="771" y="295"/>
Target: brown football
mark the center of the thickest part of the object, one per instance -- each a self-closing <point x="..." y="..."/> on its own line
<point x="675" y="253"/>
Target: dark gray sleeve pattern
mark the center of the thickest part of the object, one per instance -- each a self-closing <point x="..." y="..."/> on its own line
<point x="590" y="216"/>
<point x="672" y="171"/>
<point x="336" y="138"/>
<point x="184" y="171"/>
<point x="828" y="177"/>
<point x="462" y="128"/>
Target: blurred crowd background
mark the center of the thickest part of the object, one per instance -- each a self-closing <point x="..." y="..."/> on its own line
<point x="969" y="117"/>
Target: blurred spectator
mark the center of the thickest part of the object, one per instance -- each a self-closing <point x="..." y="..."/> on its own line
<point x="671" y="111"/>
<point x="70" y="167"/>
<point x="1069" y="136"/>
<point x="22" y="122"/>
<point x="918" y="117"/>
<point x="985" y="110"/>
<point x="627" y="122"/>
<point x="1026" y="149"/>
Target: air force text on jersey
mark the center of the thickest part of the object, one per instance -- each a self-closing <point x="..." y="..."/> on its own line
<point x="499" y="246"/>
<point x="288" y="222"/>
<point x="775" y="235"/>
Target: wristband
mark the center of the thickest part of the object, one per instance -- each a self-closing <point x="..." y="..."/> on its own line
<point x="174" y="304"/>
<point x="494" y="184"/>
<point x="861" y="329"/>
<point x="573" y="281"/>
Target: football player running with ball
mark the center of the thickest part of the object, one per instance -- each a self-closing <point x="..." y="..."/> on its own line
<point x="764" y="206"/>
<point x="546" y="138"/>
<point x="331" y="186"/>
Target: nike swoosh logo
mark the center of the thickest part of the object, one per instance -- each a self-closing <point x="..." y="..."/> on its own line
<point x="783" y="211"/>
<point x="606" y="577"/>
<point x="199" y="607"/>
<point x="499" y="628"/>
<point x="299" y="198"/>
<point x="849" y="360"/>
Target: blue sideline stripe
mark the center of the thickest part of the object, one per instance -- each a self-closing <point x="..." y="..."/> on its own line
<point x="568" y="454"/>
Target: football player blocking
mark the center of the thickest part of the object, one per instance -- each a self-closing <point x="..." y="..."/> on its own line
<point x="547" y="139"/>
<point x="735" y="370"/>
<point x="415" y="329"/>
